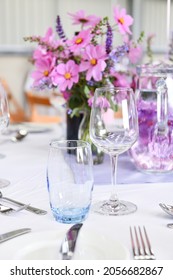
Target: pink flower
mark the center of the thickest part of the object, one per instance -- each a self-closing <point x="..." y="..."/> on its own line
<point x="123" y="20"/>
<point x="66" y="95"/>
<point x="94" y="62"/>
<point x="48" y="38"/>
<point x="65" y="75"/>
<point x="44" y="66"/>
<point x="80" y="41"/>
<point x="135" y="50"/>
<point x="81" y="18"/>
<point x="135" y="53"/>
<point x="62" y="52"/>
<point x="90" y="101"/>
<point x="147" y="82"/>
<point x="39" y="53"/>
<point x="102" y="102"/>
<point x="120" y="80"/>
<point x="120" y="96"/>
<point x="133" y="84"/>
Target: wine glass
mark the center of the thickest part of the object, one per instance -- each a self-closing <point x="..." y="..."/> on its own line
<point x="4" y="121"/>
<point x="114" y="129"/>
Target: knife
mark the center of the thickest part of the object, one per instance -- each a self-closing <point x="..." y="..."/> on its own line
<point x="28" y="208"/>
<point x="11" y="234"/>
<point x="69" y="243"/>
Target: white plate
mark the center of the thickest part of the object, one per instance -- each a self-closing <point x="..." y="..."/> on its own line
<point x="45" y="245"/>
<point x="32" y="127"/>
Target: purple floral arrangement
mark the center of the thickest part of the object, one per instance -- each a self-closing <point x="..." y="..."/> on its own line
<point x="77" y="66"/>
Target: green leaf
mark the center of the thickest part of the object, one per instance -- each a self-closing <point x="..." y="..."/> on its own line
<point x="86" y="90"/>
<point x="76" y="112"/>
<point x="75" y="101"/>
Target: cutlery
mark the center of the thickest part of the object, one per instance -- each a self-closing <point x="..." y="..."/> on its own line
<point x="21" y="133"/>
<point x="8" y="210"/>
<point x="69" y="243"/>
<point x="170" y="226"/>
<point x="167" y="208"/>
<point x="141" y="248"/>
<point x="28" y="207"/>
<point x="11" y="234"/>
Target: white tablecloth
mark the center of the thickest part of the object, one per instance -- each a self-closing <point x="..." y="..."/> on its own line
<point x="25" y="166"/>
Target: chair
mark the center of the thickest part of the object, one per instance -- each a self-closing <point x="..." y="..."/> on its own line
<point x="17" y="114"/>
<point x="40" y="108"/>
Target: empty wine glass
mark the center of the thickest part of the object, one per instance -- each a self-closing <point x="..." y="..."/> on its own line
<point x="4" y="121"/>
<point x="114" y="129"/>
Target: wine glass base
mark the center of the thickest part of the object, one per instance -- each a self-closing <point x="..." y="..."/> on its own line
<point x="106" y="208"/>
<point x="4" y="183"/>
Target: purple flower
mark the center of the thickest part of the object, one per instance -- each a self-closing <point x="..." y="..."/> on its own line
<point x="60" y="30"/>
<point x="117" y="53"/>
<point x="109" y="36"/>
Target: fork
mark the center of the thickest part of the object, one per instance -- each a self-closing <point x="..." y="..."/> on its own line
<point x="141" y="246"/>
<point x="9" y="210"/>
<point x="28" y="207"/>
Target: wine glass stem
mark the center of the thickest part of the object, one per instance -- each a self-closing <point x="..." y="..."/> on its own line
<point x="114" y="160"/>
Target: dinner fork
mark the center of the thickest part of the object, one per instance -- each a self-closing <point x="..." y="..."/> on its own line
<point x="9" y="210"/>
<point x="141" y="246"/>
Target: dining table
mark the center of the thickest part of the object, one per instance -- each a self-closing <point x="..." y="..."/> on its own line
<point x="24" y="164"/>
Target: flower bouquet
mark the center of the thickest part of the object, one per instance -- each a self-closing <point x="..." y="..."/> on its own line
<point x="88" y="60"/>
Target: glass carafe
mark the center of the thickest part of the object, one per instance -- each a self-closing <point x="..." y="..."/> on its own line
<point x="153" y="152"/>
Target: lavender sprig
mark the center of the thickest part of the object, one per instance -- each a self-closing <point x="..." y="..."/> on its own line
<point x="60" y="30"/>
<point x="44" y="83"/>
<point x="117" y="53"/>
<point x="109" y="37"/>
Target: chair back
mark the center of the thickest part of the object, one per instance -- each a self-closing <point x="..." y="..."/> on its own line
<point x="41" y="109"/>
<point x="17" y="113"/>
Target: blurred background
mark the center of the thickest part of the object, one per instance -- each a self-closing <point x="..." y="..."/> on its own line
<point x="22" y="18"/>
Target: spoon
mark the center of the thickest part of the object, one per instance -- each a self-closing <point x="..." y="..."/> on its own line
<point x="170" y="226"/>
<point x="167" y="208"/>
<point x="69" y="243"/>
<point x="21" y="133"/>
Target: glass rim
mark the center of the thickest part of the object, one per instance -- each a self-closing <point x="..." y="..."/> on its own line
<point x="63" y="144"/>
<point x="114" y="88"/>
<point x="149" y="69"/>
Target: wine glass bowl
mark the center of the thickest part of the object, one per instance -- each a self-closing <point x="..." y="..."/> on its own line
<point x="114" y="129"/>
